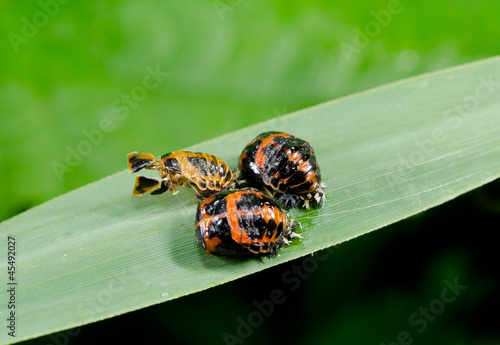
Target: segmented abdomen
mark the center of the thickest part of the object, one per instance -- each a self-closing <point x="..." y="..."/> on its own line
<point x="283" y="162"/>
<point x="208" y="173"/>
<point x="238" y="222"/>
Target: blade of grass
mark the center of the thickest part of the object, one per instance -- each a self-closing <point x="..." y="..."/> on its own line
<point x="385" y="154"/>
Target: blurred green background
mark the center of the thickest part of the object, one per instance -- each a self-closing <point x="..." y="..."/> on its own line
<point x="84" y="83"/>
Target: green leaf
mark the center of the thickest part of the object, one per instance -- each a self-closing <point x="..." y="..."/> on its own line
<point x="385" y="154"/>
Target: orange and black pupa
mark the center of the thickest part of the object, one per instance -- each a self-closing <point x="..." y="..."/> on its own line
<point x="242" y="222"/>
<point x="285" y="166"/>
<point x="206" y="174"/>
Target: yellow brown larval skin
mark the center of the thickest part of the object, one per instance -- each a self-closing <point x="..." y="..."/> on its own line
<point x="205" y="173"/>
